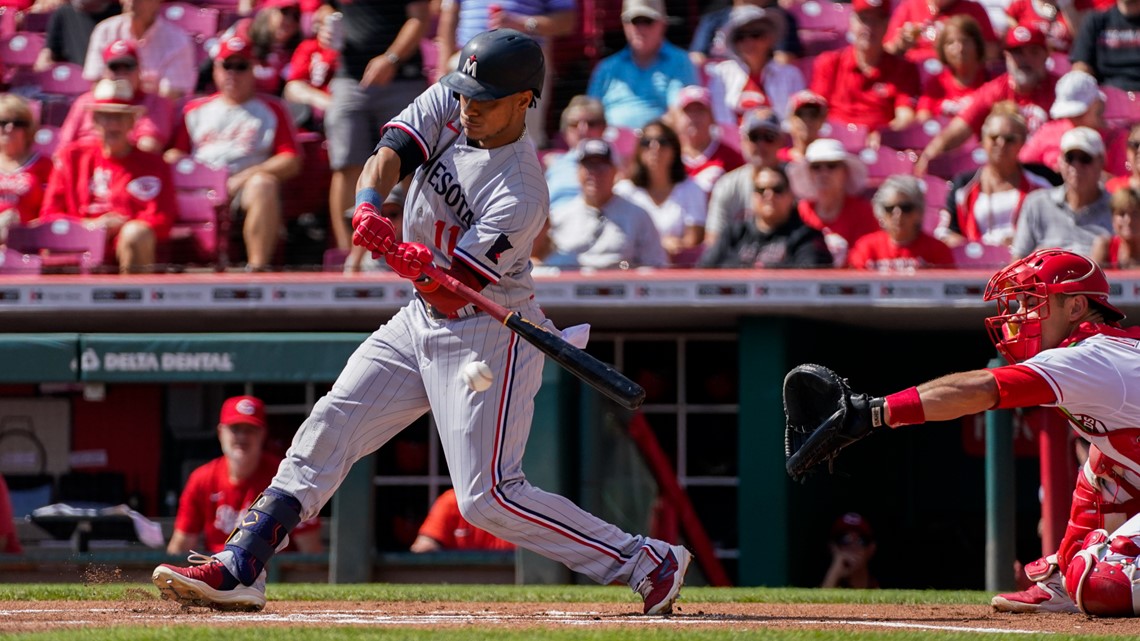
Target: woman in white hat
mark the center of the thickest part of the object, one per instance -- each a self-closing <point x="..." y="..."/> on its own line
<point x="110" y="183"/>
<point x="829" y="182"/>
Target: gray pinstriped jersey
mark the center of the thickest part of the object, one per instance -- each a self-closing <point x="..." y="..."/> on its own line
<point x="484" y="207"/>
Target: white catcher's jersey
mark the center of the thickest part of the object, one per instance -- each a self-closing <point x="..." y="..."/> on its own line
<point x="484" y="207"/>
<point x="1097" y="384"/>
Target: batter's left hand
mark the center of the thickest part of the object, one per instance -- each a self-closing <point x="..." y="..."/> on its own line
<point x="372" y="231"/>
<point x="408" y="259"/>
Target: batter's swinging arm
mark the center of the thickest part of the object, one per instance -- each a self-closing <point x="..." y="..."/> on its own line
<point x="597" y="374"/>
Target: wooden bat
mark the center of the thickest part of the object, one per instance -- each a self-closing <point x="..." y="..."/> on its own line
<point x="595" y="373"/>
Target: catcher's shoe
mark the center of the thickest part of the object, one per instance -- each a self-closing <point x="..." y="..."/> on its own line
<point x="207" y="583"/>
<point x="661" y="587"/>
<point x="1047" y="596"/>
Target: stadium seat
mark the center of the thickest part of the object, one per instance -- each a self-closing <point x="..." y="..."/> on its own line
<point x="1059" y="63"/>
<point x="20" y="50"/>
<point x="17" y="262"/>
<point x="200" y="232"/>
<point x="1121" y="108"/>
<point x="884" y="161"/>
<point x="821" y="15"/>
<point x="190" y="175"/>
<point x="64" y="79"/>
<point x="916" y="136"/>
<point x="7" y="21"/>
<point x="979" y="256"/>
<point x="46" y="140"/>
<point x="806" y="65"/>
<point x="928" y="70"/>
<point x="853" y="136"/>
<point x="955" y="162"/>
<point x="61" y="243"/>
<point x="200" y="22"/>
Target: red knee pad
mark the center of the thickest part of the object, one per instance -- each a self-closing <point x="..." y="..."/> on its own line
<point x="1084" y="516"/>
<point x="1124" y="545"/>
<point x="1098" y="587"/>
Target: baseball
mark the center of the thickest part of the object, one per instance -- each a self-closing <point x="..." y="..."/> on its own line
<point x="478" y="376"/>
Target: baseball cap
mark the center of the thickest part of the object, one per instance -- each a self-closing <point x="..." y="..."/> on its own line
<point x="116" y="96"/>
<point x="1076" y="92"/>
<point x="1024" y="36"/>
<point x="746" y="14"/>
<point x="831" y="150"/>
<point x="243" y="409"/>
<point x="121" y="50"/>
<point x="757" y="120"/>
<point x="594" y="148"/>
<point x="871" y="6"/>
<point x="1083" y="139"/>
<point x="694" y="94"/>
<point x="852" y="523"/>
<point x="652" y="9"/>
<point x="234" y="47"/>
<point x="805" y="97"/>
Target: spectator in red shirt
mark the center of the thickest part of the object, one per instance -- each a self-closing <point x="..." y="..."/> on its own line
<point x="706" y="158"/>
<point x="217" y="493"/>
<point x="1122" y="250"/>
<point x="249" y="135"/>
<point x="1026" y="82"/>
<point x="112" y="184"/>
<point x="1079" y="103"/>
<point x="1132" y="178"/>
<point x="915" y="25"/>
<point x="313" y="65"/>
<point x="446" y="529"/>
<point x="830" y="182"/>
<point x="865" y="84"/>
<point x="807" y="111"/>
<point x="23" y="172"/>
<point x="961" y="50"/>
<point x="1055" y="19"/>
<point x="901" y="245"/>
<point x="155" y="122"/>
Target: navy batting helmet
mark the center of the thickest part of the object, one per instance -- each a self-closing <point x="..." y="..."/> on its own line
<point x="496" y="64"/>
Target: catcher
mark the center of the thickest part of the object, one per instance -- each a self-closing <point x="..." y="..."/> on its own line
<point x="1060" y="334"/>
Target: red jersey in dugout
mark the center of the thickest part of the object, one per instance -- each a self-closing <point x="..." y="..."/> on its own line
<point x="87" y="184"/>
<point x="446" y="525"/>
<point x="212" y="505"/>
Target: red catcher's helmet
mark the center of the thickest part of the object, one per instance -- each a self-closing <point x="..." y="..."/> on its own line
<point x="1023" y="288"/>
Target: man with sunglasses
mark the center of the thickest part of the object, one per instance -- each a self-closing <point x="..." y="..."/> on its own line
<point x="761" y="138"/>
<point x="1074" y="215"/>
<point x="249" y="135"/>
<point x="901" y="245"/>
<point x="637" y="84"/>
<point x="155" y="122"/>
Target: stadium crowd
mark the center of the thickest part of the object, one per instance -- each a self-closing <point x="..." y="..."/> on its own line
<point x="872" y="135"/>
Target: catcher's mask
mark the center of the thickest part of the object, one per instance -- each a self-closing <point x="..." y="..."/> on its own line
<point x="1022" y="293"/>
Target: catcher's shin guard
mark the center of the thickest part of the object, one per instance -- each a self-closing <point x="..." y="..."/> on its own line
<point x="262" y="531"/>
<point x="1102" y="499"/>
<point x="1101" y="577"/>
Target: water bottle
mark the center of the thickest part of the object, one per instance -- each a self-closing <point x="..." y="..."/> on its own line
<point x="335" y="24"/>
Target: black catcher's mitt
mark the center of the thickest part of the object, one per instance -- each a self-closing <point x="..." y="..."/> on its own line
<point x="823" y="417"/>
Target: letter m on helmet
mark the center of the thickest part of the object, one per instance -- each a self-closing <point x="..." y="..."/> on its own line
<point x="470" y="66"/>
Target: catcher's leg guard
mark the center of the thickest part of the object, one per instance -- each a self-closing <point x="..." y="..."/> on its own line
<point x="262" y="531"/>
<point x="1100" y="576"/>
<point x="1048" y="595"/>
<point x="1103" y="499"/>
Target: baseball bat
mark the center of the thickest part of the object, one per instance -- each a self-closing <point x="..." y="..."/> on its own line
<point x="592" y="371"/>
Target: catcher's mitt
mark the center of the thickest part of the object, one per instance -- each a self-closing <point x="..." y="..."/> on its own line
<point x="823" y="417"/>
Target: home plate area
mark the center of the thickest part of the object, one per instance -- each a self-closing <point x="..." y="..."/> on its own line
<point x="29" y="616"/>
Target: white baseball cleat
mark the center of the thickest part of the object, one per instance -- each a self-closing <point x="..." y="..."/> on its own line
<point x="1046" y="596"/>
<point x="208" y="584"/>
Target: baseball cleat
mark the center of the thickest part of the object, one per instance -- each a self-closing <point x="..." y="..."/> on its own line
<point x="1046" y="596"/>
<point x="208" y="584"/>
<point x="661" y="587"/>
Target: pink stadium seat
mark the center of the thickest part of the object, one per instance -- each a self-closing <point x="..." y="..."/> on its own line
<point x="979" y="256"/>
<point x="805" y="64"/>
<point x="1059" y="63"/>
<point x="816" y="42"/>
<point x="334" y="260"/>
<point x="885" y="162"/>
<point x="61" y="243"/>
<point x="7" y="21"/>
<point x="63" y="79"/>
<point x="951" y="164"/>
<point x="916" y="136"/>
<point x="821" y="15"/>
<point x="20" y="49"/>
<point x="853" y="136"/>
<point x="16" y="262"/>
<point x="46" y="140"/>
<point x="200" y="22"/>
<point x="194" y="236"/>
<point x="936" y="192"/>
<point x="1121" y="108"/>
<point x="191" y="176"/>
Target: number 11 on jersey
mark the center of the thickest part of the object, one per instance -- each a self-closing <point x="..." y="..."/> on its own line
<point x="452" y="237"/>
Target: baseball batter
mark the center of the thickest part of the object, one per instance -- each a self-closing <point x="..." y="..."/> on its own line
<point x="477" y="201"/>
<point x="1061" y="335"/>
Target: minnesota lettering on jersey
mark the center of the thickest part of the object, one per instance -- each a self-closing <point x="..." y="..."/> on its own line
<point x="444" y="183"/>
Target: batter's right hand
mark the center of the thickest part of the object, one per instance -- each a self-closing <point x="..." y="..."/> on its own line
<point x="372" y="231"/>
<point x="408" y="259"/>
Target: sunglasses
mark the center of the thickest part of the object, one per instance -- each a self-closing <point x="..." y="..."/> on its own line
<point x="750" y="34"/>
<point x="642" y="21"/>
<point x="236" y="66"/>
<point x="766" y="136"/>
<point x="777" y="190"/>
<point x="14" y="124"/>
<point x="906" y="208"/>
<point x="117" y="67"/>
<point x="648" y="141"/>
<point x="1008" y="138"/>
<point x="829" y="166"/>
<point x="809" y="113"/>
<point x="1078" y="157"/>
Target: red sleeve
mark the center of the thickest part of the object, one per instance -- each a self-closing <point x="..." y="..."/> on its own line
<point x="75" y="115"/>
<point x="907" y="83"/>
<point x="32" y="201"/>
<point x="823" y="72"/>
<point x="191" y="517"/>
<point x="1019" y="386"/>
<point x="932" y="95"/>
<point x="440" y="521"/>
<point x="1017" y="10"/>
<point x="940" y="254"/>
<point x="860" y="253"/>
<point x="302" y="59"/>
<point x="900" y="16"/>
<point x="56" y="198"/>
<point x="284" y="137"/>
<point x="981" y="102"/>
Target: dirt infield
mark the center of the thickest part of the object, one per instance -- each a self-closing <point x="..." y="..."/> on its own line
<point x="143" y="609"/>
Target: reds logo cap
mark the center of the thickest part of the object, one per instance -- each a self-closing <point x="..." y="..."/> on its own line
<point x="121" y="50"/>
<point x="114" y="96"/>
<point x="248" y="410"/>
<point x="1024" y="36"/>
<point x="871" y="6"/>
<point x="235" y="47"/>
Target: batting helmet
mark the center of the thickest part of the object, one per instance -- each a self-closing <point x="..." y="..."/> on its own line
<point x="496" y="64"/>
<point x="1022" y="293"/>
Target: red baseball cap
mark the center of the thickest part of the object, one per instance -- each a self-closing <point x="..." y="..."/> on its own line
<point x="1024" y="36"/>
<point x="805" y="97"/>
<point x="874" y="6"/>
<point x="235" y="47"/>
<point x="852" y="522"/>
<point x="248" y="410"/>
<point x="121" y="50"/>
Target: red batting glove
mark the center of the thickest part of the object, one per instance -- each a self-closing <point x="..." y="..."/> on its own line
<point x="408" y="259"/>
<point x="372" y="231"/>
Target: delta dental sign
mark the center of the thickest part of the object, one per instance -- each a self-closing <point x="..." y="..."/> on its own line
<point x="92" y="362"/>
